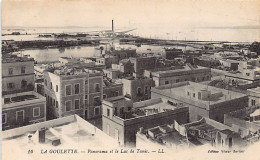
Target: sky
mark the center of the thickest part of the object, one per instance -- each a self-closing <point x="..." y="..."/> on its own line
<point x="144" y="13"/>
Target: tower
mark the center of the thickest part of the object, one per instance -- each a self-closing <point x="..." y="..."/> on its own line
<point x="112" y="25"/>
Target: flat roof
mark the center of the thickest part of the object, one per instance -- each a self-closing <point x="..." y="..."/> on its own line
<point x="166" y="134"/>
<point x="256" y="90"/>
<point x="153" y="106"/>
<point x="179" y="91"/>
<point x="22" y="98"/>
<point x="11" y="58"/>
<point x="72" y="131"/>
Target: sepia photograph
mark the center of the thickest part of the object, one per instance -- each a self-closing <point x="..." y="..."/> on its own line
<point x="130" y="79"/>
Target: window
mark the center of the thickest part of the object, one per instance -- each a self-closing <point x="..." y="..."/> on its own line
<point x="86" y="97"/>
<point x="252" y="102"/>
<point x="97" y="87"/>
<point x="86" y="114"/>
<point x="10" y="71"/>
<point x="20" y="116"/>
<point x="86" y="81"/>
<point x="97" y="101"/>
<point x="23" y="83"/>
<point x="248" y="74"/>
<point x="96" y="111"/>
<point x="116" y="93"/>
<point x="108" y="112"/>
<point x="115" y="112"/>
<point x="199" y="95"/>
<point x="4" y="118"/>
<point x="77" y="105"/>
<point x="68" y="90"/>
<point x="104" y="96"/>
<point x="23" y="69"/>
<point x="51" y="85"/>
<point x="68" y="106"/>
<point x="45" y="82"/>
<point x="76" y="88"/>
<point x="138" y="90"/>
<point x="177" y="80"/>
<point x="10" y="85"/>
<point x="7" y="100"/>
<point x="51" y="101"/>
<point x="57" y="104"/>
<point x="122" y="110"/>
<point x="36" y="112"/>
<point x="166" y="82"/>
<point x="188" y="93"/>
<point x="129" y="108"/>
<point x="145" y="90"/>
<point x="57" y="88"/>
<point x="194" y="95"/>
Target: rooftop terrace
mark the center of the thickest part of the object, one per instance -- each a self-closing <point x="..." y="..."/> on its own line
<point x="12" y="100"/>
<point x="11" y="58"/>
<point x="146" y="108"/>
<point x="216" y="95"/>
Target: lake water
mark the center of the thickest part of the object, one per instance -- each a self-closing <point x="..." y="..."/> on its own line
<point x="53" y="54"/>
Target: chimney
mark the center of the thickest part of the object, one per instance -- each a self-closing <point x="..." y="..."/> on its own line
<point x="30" y="138"/>
<point x="112" y="25"/>
<point x="42" y="135"/>
<point x="141" y="130"/>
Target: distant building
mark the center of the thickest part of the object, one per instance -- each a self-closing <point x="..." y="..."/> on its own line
<point x="208" y="131"/>
<point x="254" y="96"/>
<point x="246" y="122"/>
<point x="112" y="89"/>
<point x="73" y="91"/>
<point x="203" y="101"/>
<point x="20" y="104"/>
<point x="248" y="75"/>
<point x="112" y="73"/>
<point x="233" y="64"/>
<point x="125" y="67"/>
<point x="122" y="118"/>
<point x="204" y="61"/>
<point x="170" y="75"/>
<point x="254" y="62"/>
<point x="65" y="60"/>
<point x="143" y="63"/>
<point x="137" y="89"/>
<point x="171" y="53"/>
<point x="122" y="53"/>
<point x="167" y="136"/>
<point x="107" y="60"/>
<point x="226" y="54"/>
